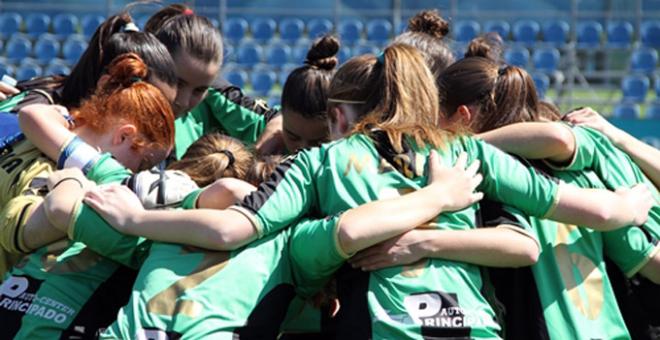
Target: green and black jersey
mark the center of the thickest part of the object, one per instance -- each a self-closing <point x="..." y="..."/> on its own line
<point x="568" y="294"/>
<point x="65" y="290"/>
<point x="182" y="291"/>
<point x="410" y="301"/>
<point x="225" y="109"/>
<point x="638" y="298"/>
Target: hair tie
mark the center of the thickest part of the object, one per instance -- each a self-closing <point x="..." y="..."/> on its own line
<point x="135" y="80"/>
<point x="188" y="11"/>
<point x="130" y="27"/>
<point x="380" y="57"/>
<point x="229" y="155"/>
<point x="502" y="70"/>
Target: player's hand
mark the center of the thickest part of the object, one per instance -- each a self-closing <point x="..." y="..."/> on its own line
<point x="400" y="250"/>
<point x="73" y="174"/>
<point x="7" y="90"/>
<point x="638" y="200"/>
<point x="590" y="118"/>
<point x="454" y="187"/>
<point x="117" y="204"/>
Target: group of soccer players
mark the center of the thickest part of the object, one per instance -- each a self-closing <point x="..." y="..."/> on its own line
<point x="401" y="195"/>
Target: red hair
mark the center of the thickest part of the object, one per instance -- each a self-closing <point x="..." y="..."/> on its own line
<point x="126" y="98"/>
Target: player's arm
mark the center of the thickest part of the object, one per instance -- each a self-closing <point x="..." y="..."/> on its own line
<point x="223" y="193"/>
<point x="67" y="187"/>
<point x="651" y="269"/>
<point x="644" y="155"/>
<point x="502" y="246"/>
<point x="534" y="140"/>
<point x="46" y="127"/>
<point x="449" y="189"/>
<point x="7" y="90"/>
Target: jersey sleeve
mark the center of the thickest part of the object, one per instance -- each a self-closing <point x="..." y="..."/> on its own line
<point x="508" y="181"/>
<point x="585" y="154"/>
<point x="107" y="170"/>
<point x="288" y="195"/>
<point x="315" y="254"/>
<point x="88" y="227"/>
<point x="630" y="248"/>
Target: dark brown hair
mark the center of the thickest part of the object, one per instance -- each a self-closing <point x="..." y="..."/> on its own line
<point x="394" y="92"/>
<point x="178" y="28"/>
<point x="306" y="88"/>
<point x="426" y="32"/>
<point x="489" y="46"/>
<point x="129" y="100"/>
<point x="214" y="156"/>
<point x="108" y="42"/>
<point x="502" y="95"/>
<point x="548" y="111"/>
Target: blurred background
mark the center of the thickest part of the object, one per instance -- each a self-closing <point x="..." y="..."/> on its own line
<point x="599" y="53"/>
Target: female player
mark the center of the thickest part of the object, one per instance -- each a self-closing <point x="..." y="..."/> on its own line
<point x="64" y="275"/>
<point x="388" y="108"/>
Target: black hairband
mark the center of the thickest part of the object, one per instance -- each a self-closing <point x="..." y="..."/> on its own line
<point x="229" y="155"/>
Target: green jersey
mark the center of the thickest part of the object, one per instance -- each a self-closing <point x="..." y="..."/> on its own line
<point x="225" y="110"/>
<point x="433" y="297"/>
<point x="65" y="289"/>
<point x="187" y="292"/>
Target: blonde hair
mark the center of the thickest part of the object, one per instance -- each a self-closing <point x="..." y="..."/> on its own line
<point x="263" y="168"/>
<point x="214" y="156"/>
<point x="395" y="92"/>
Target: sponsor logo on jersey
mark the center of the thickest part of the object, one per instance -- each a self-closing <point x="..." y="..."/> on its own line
<point x="19" y="295"/>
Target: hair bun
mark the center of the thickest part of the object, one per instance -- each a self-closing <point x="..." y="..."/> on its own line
<point x="429" y="22"/>
<point x="489" y="46"/>
<point x="323" y="53"/>
<point x="126" y="68"/>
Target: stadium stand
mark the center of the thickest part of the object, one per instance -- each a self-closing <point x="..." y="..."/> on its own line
<point x="291" y="29"/>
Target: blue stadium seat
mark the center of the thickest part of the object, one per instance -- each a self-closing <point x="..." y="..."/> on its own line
<point x="318" y="27"/>
<point x="10" y="23"/>
<point x="365" y="48"/>
<point x="657" y="88"/>
<point x="57" y="67"/>
<point x="262" y="81"/>
<point x="278" y="54"/>
<point x="291" y="29"/>
<point x="526" y="31"/>
<point x="234" y="29"/>
<point x="299" y="53"/>
<point x="228" y="54"/>
<point x="379" y="31"/>
<point x="619" y="34"/>
<point x="28" y="71"/>
<point x="589" y="34"/>
<point x="403" y="26"/>
<point x="2" y="46"/>
<point x="249" y="54"/>
<point x="500" y="26"/>
<point x="46" y="48"/>
<point x="556" y="32"/>
<point x="653" y="111"/>
<point x="651" y="33"/>
<point x="65" y="25"/>
<point x="350" y="31"/>
<point x="344" y="54"/>
<point x="6" y="68"/>
<point x="89" y="24"/>
<point x="542" y="83"/>
<point x="18" y="48"/>
<point x="275" y="100"/>
<point x="517" y="56"/>
<point x="466" y="30"/>
<point x="546" y="59"/>
<point x="644" y="59"/>
<point x="141" y="20"/>
<point x="284" y="73"/>
<point x="236" y="77"/>
<point x="627" y="110"/>
<point x="37" y="24"/>
<point x="263" y="29"/>
<point x="634" y="88"/>
<point x="73" y="48"/>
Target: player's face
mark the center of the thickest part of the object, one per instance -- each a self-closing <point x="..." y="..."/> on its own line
<point x="167" y="90"/>
<point x="301" y="132"/>
<point x="195" y="77"/>
<point x="138" y="159"/>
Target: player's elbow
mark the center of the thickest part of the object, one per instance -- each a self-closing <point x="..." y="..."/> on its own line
<point x="349" y="236"/>
<point x="562" y="141"/>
